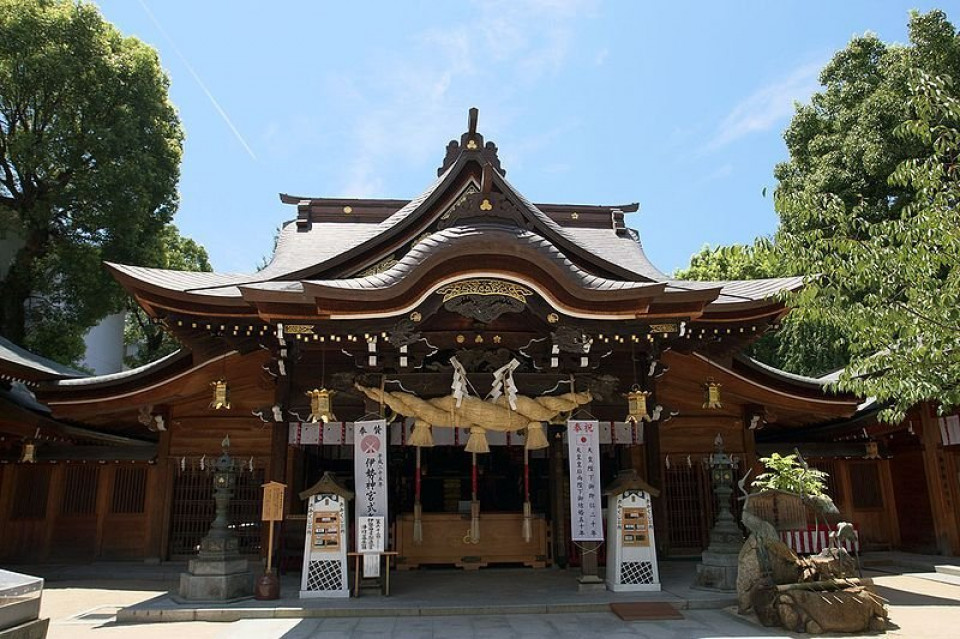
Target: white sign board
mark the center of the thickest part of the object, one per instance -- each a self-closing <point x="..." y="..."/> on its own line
<point x="325" y="548"/>
<point x="586" y="518"/>
<point x="631" y="547"/>
<point x="371" y="532"/>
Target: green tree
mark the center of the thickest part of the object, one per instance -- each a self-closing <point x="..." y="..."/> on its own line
<point x="789" y="474"/>
<point x="90" y="152"/>
<point x="734" y="262"/>
<point x="868" y="203"/>
<point x="802" y="346"/>
<point x="146" y="339"/>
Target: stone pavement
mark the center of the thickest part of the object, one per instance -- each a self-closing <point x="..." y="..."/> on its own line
<point x="80" y="606"/>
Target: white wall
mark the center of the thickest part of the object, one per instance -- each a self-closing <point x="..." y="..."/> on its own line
<point x="105" y="345"/>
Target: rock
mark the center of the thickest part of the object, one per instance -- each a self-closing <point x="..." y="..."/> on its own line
<point x="783" y="567"/>
<point x="831" y="563"/>
<point x="763" y="599"/>
<point x="850" y="610"/>
<point x="766" y="563"/>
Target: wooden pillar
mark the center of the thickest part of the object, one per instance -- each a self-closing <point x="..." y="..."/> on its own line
<point x="54" y="497"/>
<point x="558" y="514"/>
<point x="654" y="477"/>
<point x="160" y="498"/>
<point x="7" y="485"/>
<point x="651" y="445"/>
<point x="278" y="453"/>
<point x="105" y="480"/>
<point x="891" y="520"/>
<point x="941" y="501"/>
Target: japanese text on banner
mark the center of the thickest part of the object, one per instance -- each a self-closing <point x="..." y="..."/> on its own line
<point x="586" y="519"/>
<point x="370" y="468"/>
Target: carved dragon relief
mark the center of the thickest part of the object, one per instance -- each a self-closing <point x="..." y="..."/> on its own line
<point x="484" y="300"/>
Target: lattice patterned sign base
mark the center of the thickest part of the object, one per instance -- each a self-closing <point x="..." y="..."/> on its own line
<point x="636" y="572"/>
<point x="324" y="576"/>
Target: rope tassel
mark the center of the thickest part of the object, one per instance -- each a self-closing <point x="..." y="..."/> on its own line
<point x="536" y="438"/>
<point x="478" y="441"/>
<point x="422" y="435"/>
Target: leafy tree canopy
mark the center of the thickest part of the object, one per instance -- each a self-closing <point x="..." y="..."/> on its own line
<point x="868" y="208"/>
<point x="90" y="151"/>
<point x="148" y="341"/>
<point x="803" y="346"/>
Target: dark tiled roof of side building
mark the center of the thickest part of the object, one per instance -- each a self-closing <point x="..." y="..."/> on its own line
<point x="20" y="363"/>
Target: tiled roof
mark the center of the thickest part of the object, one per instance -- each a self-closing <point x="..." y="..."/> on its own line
<point x="131" y="373"/>
<point x="314" y="249"/>
<point x="31" y="364"/>
<point x="448" y="239"/>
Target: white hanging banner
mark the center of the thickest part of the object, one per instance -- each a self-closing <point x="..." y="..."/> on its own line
<point x="583" y="442"/>
<point x="370" y="468"/>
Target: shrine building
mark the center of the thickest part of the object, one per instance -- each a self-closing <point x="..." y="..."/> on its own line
<point x="475" y="322"/>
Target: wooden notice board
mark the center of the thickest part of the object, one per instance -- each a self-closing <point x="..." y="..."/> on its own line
<point x="635" y="531"/>
<point x="273" y="501"/>
<point x="326" y="531"/>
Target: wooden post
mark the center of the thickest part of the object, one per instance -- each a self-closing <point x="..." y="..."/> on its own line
<point x="270" y="549"/>
<point x="268" y="586"/>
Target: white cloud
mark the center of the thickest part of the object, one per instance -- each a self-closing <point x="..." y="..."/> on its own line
<point x="601" y="56"/>
<point x="767" y="107"/>
<point x="410" y="104"/>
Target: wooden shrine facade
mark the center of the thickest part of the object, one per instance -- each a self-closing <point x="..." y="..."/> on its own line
<point x="388" y="294"/>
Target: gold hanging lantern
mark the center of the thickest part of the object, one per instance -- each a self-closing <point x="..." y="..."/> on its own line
<point x="712" y="395"/>
<point x="637" y="406"/>
<point x="320" y="407"/>
<point x="29" y="453"/>
<point x="221" y="395"/>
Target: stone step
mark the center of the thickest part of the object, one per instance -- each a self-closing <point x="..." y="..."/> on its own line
<point x="948" y="569"/>
<point x="943" y="578"/>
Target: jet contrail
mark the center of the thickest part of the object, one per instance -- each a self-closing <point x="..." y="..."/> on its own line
<point x="213" y="100"/>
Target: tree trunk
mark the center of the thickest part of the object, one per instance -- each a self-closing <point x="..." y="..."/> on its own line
<point x="16" y="288"/>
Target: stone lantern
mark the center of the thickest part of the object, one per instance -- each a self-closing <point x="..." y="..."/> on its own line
<point x="219" y="573"/>
<point x="718" y="568"/>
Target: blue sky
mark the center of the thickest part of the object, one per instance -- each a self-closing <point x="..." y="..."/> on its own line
<point x="679" y="106"/>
